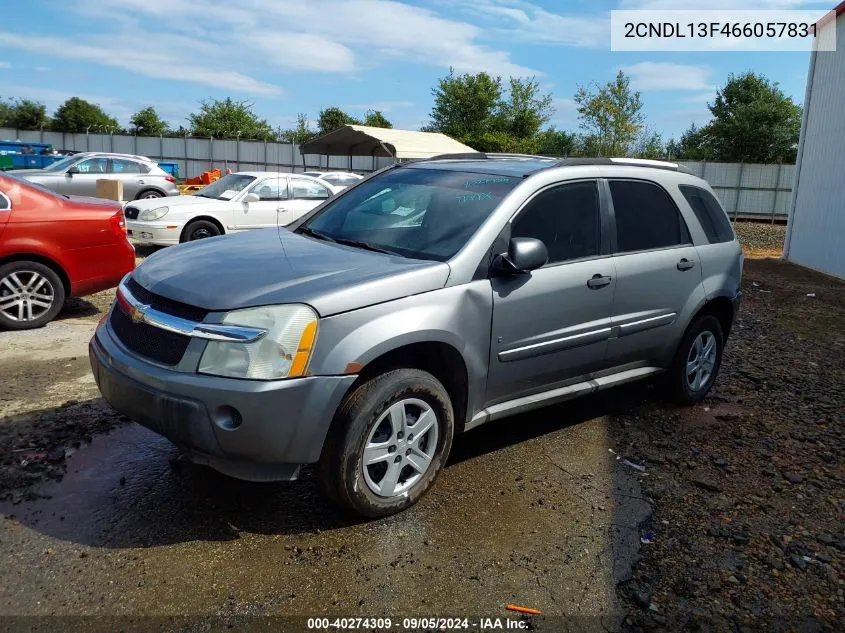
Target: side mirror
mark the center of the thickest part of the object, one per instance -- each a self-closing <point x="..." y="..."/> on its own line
<point x="252" y="197"/>
<point x="72" y="170"/>
<point x="524" y="254"/>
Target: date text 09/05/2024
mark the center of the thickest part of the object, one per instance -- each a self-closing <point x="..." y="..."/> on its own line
<point x="719" y="29"/>
<point x="415" y="624"/>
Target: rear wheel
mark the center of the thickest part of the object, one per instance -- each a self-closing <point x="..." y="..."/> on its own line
<point x="31" y="295"/>
<point x="149" y="193"/>
<point x="199" y="230"/>
<point x="697" y="361"/>
<point x="388" y="442"/>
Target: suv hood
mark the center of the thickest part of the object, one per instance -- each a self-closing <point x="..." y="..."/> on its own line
<point x="272" y="266"/>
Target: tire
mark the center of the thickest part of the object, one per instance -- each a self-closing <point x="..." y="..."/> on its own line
<point x="149" y="193"/>
<point x="30" y="290"/>
<point x="691" y="388"/>
<point x="366" y="418"/>
<point x="200" y="229"/>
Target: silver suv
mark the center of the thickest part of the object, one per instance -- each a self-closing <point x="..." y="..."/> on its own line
<point x="77" y="175"/>
<point x="426" y="300"/>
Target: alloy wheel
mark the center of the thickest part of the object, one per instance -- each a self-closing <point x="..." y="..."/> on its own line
<point x="400" y="448"/>
<point x="701" y="361"/>
<point x="25" y="295"/>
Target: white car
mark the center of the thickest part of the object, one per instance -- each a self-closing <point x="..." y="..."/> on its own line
<point x="237" y="202"/>
<point x="340" y="179"/>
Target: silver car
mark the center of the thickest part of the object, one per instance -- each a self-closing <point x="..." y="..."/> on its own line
<point x="339" y="179"/>
<point x="428" y="300"/>
<point x="77" y="175"/>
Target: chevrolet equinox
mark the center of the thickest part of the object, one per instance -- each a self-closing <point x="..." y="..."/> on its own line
<point x="423" y="301"/>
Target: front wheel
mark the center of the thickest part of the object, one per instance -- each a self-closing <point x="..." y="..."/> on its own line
<point x="199" y="230"/>
<point x="31" y="295"/>
<point x="389" y="440"/>
<point x="697" y="361"/>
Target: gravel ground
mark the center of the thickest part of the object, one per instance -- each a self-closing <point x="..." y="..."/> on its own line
<point x="746" y="531"/>
<point x="761" y="239"/>
<point x="748" y="490"/>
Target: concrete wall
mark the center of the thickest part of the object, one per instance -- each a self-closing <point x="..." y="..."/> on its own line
<point x="816" y="234"/>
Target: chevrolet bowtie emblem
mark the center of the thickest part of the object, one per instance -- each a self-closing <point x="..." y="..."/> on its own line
<point x="136" y="313"/>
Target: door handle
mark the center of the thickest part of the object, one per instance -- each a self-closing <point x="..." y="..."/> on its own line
<point x="598" y="281"/>
<point x="282" y="209"/>
<point x="685" y="264"/>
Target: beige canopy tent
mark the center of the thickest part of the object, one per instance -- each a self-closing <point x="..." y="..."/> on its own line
<point x="362" y="140"/>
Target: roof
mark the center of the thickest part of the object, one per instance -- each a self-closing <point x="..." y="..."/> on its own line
<point x="362" y="140"/>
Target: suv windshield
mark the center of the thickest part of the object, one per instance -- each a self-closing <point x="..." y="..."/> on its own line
<point x="417" y="213"/>
<point x="226" y="188"/>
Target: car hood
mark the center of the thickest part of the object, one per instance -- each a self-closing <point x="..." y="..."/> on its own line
<point x="176" y="202"/>
<point x="273" y="266"/>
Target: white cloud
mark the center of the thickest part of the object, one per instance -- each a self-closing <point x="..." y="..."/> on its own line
<point x="647" y="76"/>
<point x="150" y="61"/>
<point x="5" y="65"/>
<point x="319" y="35"/>
<point x="41" y="69"/>
<point x="525" y="21"/>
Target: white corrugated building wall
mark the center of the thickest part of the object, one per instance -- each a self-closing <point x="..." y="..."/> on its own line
<point x="815" y="235"/>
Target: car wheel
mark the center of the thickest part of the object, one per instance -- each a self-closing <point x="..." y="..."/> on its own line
<point x="389" y="440"/>
<point x="199" y="230"/>
<point x="31" y="295"/>
<point x="697" y="361"/>
<point x="149" y="193"/>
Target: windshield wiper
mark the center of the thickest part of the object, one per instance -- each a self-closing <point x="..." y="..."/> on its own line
<point x="312" y="233"/>
<point x="366" y="245"/>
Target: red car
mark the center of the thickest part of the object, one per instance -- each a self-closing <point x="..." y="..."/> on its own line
<point x="53" y="247"/>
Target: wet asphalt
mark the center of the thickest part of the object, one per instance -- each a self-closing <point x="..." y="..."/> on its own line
<point x="534" y="510"/>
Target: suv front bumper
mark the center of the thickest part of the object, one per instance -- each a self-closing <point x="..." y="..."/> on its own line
<point x="254" y="430"/>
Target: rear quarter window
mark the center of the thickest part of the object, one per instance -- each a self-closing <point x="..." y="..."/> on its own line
<point x="709" y="213"/>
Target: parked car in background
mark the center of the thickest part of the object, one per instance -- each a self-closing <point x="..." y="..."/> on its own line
<point x="77" y="175"/>
<point x="53" y="247"/>
<point x="341" y="179"/>
<point x="363" y="342"/>
<point x="236" y="202"/>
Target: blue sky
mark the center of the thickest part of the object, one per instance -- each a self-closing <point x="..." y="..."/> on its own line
<point x="290" y="56"/>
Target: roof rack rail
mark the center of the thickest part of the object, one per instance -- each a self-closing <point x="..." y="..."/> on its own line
<point x="514" y="155"/>
<point x="459" y="156"/>
<point x="627" y="162"/>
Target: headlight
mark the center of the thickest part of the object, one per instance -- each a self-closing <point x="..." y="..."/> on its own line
<point x="283" y="352"/>
<point x="153" y="214"/>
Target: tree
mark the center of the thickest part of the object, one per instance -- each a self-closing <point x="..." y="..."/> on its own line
<point x="147" y="122"/>
<point x="753" y="121"/>
<point x="301" y="133"/>
<point x="228" y="118"/>
<point x="525" y="110"/>
<point x="554" y="142"/>
<point x="77" y="115"/>
<point x="332" y="118"/>
<point x="374" y="118"/>
<point x="23" y="114"/>
<point x="465" y="106"/>
<point x="649" y="144"/>
<point x="695" y="144"/>
<point x="611" y="115"/>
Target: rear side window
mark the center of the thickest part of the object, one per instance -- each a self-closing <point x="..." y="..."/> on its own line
<point x="709" y="212"/>
<point x="566" y="219"/>
<point x="646" y="217"/>
<point x="5" y="204"/>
